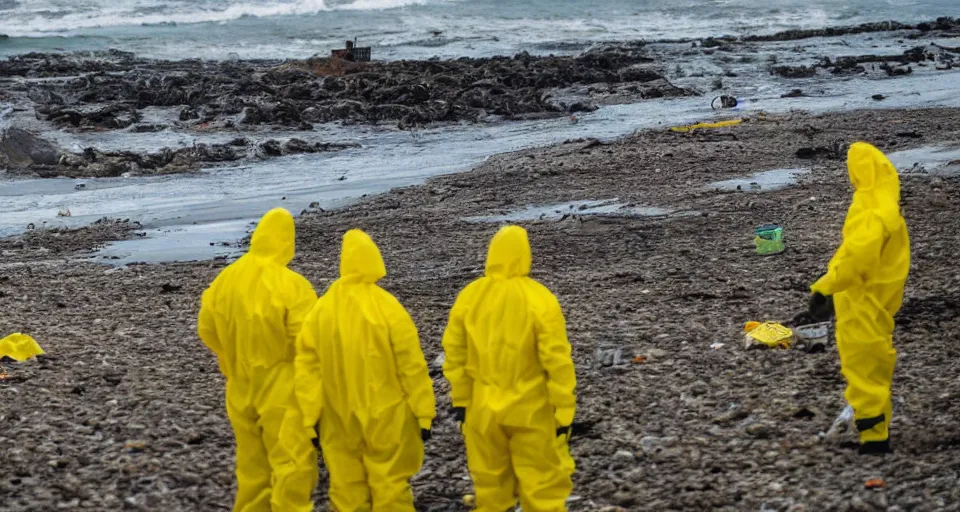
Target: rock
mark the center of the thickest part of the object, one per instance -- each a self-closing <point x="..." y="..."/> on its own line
<point x="651" y="444"/>
<point x="878" y="97"/>
<point x="795" y="71"/>
<point x="296" y="146"/>
<point x="655" y="353"/>
<point x="624" y="456"/>
<point x="625" y="499"/>
<point x="251" y="115"/>
<point x="170" y="288"/>
<point x="110" y="117"/>
<point x="731" y="416"/>
<point x="699" y="388"/>
<point x="796" y="93"/>
<point x="135" y="446"/>
<point x="582" y="107"/>
<point x="21" y="149"/>
<point x="270" y="148"/>
<point x="759" y="430"/>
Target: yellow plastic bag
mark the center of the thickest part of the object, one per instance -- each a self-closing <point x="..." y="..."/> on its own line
<point x="719" y="124"/>
<point x="19" y="347"/>
<point x="768" y="333"/>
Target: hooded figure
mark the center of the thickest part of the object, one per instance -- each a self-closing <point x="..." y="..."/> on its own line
<point x="250" y="318"/>
<point x="512" y="382"/>
<point x="361" y="374"/>
<point x="865" y="280"/>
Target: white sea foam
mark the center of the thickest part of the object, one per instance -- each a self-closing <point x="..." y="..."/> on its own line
<point x="37" y="22"/>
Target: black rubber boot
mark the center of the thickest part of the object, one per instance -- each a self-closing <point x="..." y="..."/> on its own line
<point x="876" y="448"/>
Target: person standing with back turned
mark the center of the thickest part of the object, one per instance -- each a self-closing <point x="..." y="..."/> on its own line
<point x="864" y="283"/>
<point x="250" y="318"/>
<point x="512" y="382"/>
<point x="363" y="382"/>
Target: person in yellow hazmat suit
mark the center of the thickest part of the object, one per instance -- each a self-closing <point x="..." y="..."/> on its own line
<point x="250" y="318"/>
<point x="512" y="382"/>
<point x="363" y="382"/>
<point x="864" y="285"/>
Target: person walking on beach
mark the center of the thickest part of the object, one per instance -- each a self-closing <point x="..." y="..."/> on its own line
<point x="864" y="283"/>
<point x="512" y="382"/>
<point x="250" y="317"/>
<point x="362" y="380"/>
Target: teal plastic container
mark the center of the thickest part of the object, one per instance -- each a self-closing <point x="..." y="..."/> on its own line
<point x="769" y="239"/>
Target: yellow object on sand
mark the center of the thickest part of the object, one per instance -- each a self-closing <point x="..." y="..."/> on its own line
<point x="866" y="277"/>
<point x="19" y="347"/>
<point x="771" y="334"/>
<point x="719" y="124"/>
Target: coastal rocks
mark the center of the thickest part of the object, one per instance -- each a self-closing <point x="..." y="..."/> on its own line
<point x="943" y="24"/>
<point x="111" y="117"/>
<point x="942" y="57"/>
<point x="258" y="93"/>
<point x="24" y="153"/>
<point x="19" y="149"/>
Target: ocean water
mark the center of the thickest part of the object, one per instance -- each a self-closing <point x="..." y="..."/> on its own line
<point x="397" y="29"/>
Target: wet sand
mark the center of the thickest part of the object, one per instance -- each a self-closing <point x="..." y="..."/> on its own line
<point x="127" y="409"/>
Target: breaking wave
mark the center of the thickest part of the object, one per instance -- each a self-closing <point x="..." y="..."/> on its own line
<point x="47" y="23"/>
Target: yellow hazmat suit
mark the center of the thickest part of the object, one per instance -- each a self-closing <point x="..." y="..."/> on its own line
<point x="866" y="279"/>
<point x="509" y="364"/>
<point x="362" y="375"/>
<point x="250" y="319"/>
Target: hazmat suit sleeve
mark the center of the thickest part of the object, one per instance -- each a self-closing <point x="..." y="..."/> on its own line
<point x="301" y="302"/>
<point x="411" y="365"/>
<point x="207" y="329"/>
<point x="206" y="324"/>
<point x="555" y="356"/>
<point x="307" y="379"/>
<point x="455" y="351"/>
<point x="858" y="255"/>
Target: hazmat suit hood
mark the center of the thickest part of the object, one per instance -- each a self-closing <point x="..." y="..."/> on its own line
<point x="509" y="254"/>
<point x="360" y="259"/>
<point x="275" y="237"/>
<point x="876" y="184"/>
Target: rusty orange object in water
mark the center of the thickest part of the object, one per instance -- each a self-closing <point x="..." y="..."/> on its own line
<point x="874" y="483"/>
<point x="639" y="359"/>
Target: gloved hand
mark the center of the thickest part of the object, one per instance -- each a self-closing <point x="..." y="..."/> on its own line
<point x="821" y="307"/>
<point x="460" y="413"/>
<point x="565" y="431"/>
<point x="425" y="434"/>
<point x="316" y="436"/>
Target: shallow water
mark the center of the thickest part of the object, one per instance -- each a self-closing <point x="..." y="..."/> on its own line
<point x="940" y="160"/>
<point x="762" y="181"/>
<point x="389" y="158"/>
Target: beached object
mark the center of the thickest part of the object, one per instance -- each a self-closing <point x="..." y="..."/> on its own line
<point x="768" y="239"/>
<point x="724" y="102"/>
<point x="352" y="52"/>
<point x="698" y="126"/>
<point x="19" y="347"/>
<point x="812" y="337"/>
<point x="769" y="334"/>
